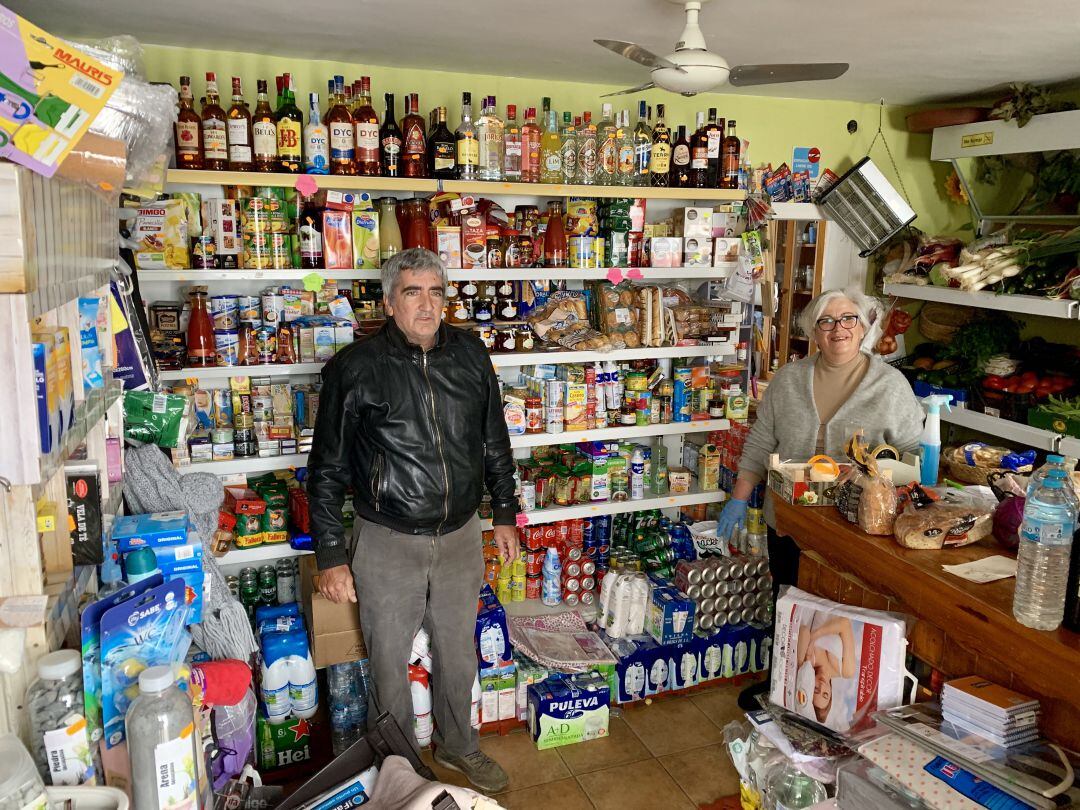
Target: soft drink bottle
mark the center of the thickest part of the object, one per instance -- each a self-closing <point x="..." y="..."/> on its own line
<point x="1046" y="535"/>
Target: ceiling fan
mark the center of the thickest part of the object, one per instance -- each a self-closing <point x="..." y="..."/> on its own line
<point x="692" y="69"/>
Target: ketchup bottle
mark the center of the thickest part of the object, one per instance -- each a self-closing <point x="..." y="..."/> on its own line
<point x="200" y="334"/>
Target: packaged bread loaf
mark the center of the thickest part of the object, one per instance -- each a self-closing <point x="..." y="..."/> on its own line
<point x="564" y="320"/>
<point x="941" y="525"/>
<point x="617" y="314"/>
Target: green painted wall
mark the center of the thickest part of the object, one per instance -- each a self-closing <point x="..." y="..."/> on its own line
<point x="773" y="125"/>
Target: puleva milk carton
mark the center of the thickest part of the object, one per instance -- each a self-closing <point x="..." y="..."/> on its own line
<point x="566" y="709"/>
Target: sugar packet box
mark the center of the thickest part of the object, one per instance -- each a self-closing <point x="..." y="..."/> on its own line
<point x="567" y="709"/>
<point x="153" y="530"/>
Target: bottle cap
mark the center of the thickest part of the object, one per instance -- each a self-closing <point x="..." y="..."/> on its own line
<point x="58" y="665"/>
<point x="1052" y="459"/>
<point x="156" y="679"/>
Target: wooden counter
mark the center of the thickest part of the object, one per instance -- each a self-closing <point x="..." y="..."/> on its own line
<point x="962" y="628"/>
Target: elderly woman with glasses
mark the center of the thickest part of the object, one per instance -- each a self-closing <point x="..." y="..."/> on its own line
<point x="811" y="405"/>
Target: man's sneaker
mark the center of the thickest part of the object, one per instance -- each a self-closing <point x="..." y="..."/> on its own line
<point x="481" y="770"/>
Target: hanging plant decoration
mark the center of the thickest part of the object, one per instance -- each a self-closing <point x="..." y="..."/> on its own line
<point x="1027" y="101"/>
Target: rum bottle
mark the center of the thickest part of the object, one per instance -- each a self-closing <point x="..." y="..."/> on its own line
<point x="467" y="147"/>
<point x="239" y="131"/>
<point x="625" y="175"/>
<point x="316" y="140"/>
<point x="569" y="137"/>
<point x="489" y="136"/>
<point x="660" y="159"/>
<point x="390" y="141"/>
<point x="214" y="129"/>
<point x="414" y="145"/>
<point x="188" y="130"/>
<point x="339" y="122"/>
<point x="290" y="127"/>
<point x="512" y="146"/>
<point x="607" y="165"/>
<point x="442" y="148"/>
<point x="550" y="150"/>
<point x="264" y="132"/>
<point x="680" y="160"/>
<point x="586" y="154"/>
<point x="530" y="148"/>
<point x="366" y="126"/>
<point x="699" y="155"/>
<point x="715" y="133"/>
<point x="729" y="158"/>
<point x="642" y="146"/>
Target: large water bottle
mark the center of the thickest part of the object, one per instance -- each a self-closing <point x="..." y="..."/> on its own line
<point x="1043" y="558"/>
<point x="341" y="679"/>
<point x="1053" y="463"/>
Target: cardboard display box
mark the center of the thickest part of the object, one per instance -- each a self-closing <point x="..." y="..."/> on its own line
<point x="333" y="630"/>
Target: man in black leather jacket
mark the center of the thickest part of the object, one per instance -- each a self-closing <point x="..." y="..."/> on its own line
<point x="411" y="418"/>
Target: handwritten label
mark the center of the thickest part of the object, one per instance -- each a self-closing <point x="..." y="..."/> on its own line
<point x="634" y="272"/>
<point x="977" y="139"/>
<point x="521" y="520"/>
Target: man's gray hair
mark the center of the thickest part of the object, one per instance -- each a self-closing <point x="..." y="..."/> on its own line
<point x="411" y="259"/>
<point x="866" y="307"/>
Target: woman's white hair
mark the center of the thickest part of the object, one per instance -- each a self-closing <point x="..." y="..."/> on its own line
<point x="866" y="307"/>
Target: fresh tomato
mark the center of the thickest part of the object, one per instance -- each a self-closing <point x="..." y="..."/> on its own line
<point x="994" y="383"/>
<point x="1029" y="377"/>
<point x="1061" y="383"/>
<point x="1023" y="387"/>
<point x="1044" y="389"/>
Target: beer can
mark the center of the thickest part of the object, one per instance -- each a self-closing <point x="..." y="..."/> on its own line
<point x="721" y="603"/>
<point x="268" y="587"/>
<point x="571" y="585"/>
<point x="755" y="521"/>
<point x="733" y="617"/>
<point x="693" y="591"/>
<point x="763" y="616"/>
<point x="747" y="615"/>
<point x="571" y="599"/>
<point x="705" y="605"/>
<point x="749" y="585"/>
<point x="708" y="589"/>
<point x="764" y="583"/>
<point x="709" y="573"/>
<point x="572" y="570"/>
<point x="249" y="573"/>
<point x="588" y="597"/>
<point x="693" y="573"/>
<point x="588" y="584"/>
<point x="705" y="622"/>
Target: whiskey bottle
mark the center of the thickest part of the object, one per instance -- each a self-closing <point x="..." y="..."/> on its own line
<point x="390" y="141"/>
<point x="729" y="159"/>
<point x="290" y="127"/>
<point x="414" y="145"/>
<point x="660" y="159"/>
<point x="316" y="140"/>
<point x="715" y="133"/>
<point x="366" y="125"/>
<point x="466" y="146"/>
<point x="239" y="131"/>
<point x="680" y="160"/>
<point x="214" y="129"/>
<point x="188" y="130"/>
<point x="264" y="132"/>
<point x="442" y="147"/>
<point x="339" y="122"/>
<point x="699" y="154"/>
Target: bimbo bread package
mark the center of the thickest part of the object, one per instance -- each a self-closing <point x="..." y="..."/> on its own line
<point x="836" y="664"/>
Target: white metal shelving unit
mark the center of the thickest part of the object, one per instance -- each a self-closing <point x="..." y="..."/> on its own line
<point x="1020" y="304"/>
<point x="225" y="372"/>
<point x="454" y="274"/>
<point x="617" y="355"/>
<point x="259" y="554"/>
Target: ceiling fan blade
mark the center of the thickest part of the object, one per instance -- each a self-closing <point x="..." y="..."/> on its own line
<point x="637" y="54"/>
<point x="638" y="89"/>
<point x="748" y="75"/>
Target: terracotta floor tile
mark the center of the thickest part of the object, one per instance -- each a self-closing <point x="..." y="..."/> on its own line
<point x="671" y="725"/>
<point x="566" y="794"/>
<point x="706" y="775"/>
<point x="618" y="748"/>
<point x="721" y="703"/>
<point x="637" y="786"/>
<point x="523" y="763"/>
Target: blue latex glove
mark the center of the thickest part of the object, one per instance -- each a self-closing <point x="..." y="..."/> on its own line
<point x="732" y="519"/>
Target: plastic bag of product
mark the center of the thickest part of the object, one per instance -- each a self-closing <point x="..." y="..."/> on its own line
<point x="877" y="503"/>
<point x="153" y="418"/>
<point x="564" y="319"/>
<point x="836" y="664"/>
<point x="617" y="314"/>
<point x="739" y="286"/>
<point x="942" y="525"/>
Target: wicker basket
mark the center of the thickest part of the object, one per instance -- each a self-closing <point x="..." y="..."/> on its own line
<point x="940" y="322"/>
<point x="965" y="473"/>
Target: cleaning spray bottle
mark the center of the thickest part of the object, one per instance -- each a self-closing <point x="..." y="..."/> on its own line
<point x="930" y="444"/>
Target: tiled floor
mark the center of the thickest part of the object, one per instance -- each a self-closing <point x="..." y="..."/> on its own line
<point x="668" y="754"/>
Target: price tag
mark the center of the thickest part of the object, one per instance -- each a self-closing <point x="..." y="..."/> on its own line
<point x="634" y="272"/>
<point x="313" y="282"/>
<point x="614" y="275"/>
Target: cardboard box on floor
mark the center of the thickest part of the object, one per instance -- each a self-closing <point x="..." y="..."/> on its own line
<point x="334" y="630"/>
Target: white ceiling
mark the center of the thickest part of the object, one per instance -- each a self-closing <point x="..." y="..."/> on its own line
<point x="907" y="51"/>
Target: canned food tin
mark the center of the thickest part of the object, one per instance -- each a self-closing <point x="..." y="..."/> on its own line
<point x="227" y="346"/>
<point x="528" y="496"/>
<point x="582" y="251"/>
<point x="273" y="309"/>
<point x="249" y="310"/>
<point x="553" y="419"/>
<point x="554" y="393"/>
<point x="588" y="584"/>
<point x="571" y="599"/>
<point x="224" y="311"/>
<point x="221" y="435"/>
<point x="572" y="585"/>
<point x="265" y="343"/>
<point x="573" y="569"/>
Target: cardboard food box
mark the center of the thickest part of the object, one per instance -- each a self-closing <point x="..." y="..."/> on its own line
<point x="333" y="630"/>
<point x="694" y="222"/>
<point x="793" y="481"/>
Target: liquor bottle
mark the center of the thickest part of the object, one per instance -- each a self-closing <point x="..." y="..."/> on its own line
<point x="215" y="132"/>
<point x="530" y="148"/>
<point x="467" y="147"/>
<point x="699" y="155"/>
<point x="729" y="158"/>
<point x="442" y="148"/>
<point x="366" y="127"/>
<point x="290" y="126"/>
<point x="414" y="144"/>
<point x="660" y="159"/>
<point x="390" y="141"/>
<point x="714" y="131"/>
<point x="607" y="164"/>
<point x="626" y="166"/>
<point x="642" y="146"/>
<point x="264" y="132"/>
<point x="238" y="126"/>
<point x="188" y="130"/>
<point x="680" y="160"/>
<point x="512" y="146"/>
<point x="489" y="137"/>
<point x="569" y="137"/>
<point x="316" y="140"/>
<point x="586" y="153"/>
<point x="551" y="150"/>
<point x="310" y="226"/>
<point x="339" y="122"/>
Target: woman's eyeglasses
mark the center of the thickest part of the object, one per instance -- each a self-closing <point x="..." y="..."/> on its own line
<point x="829" y="324"/>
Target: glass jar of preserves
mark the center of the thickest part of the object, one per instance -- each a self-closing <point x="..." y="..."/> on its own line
<point x="495" y="248"/>
<point x="627" y="414"/>
<point x="469" y="290"/>
<point x="459" y="310"/>
<point x="506" y="309"/>
<point x="505" y="340"/>
<point x="486" y="334"/>
<point x="524" y="341"/>
<point x="483" y="310"/>
<point x="512" y="255"/>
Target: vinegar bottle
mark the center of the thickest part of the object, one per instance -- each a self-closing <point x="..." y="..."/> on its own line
<point x="200" y="334"/>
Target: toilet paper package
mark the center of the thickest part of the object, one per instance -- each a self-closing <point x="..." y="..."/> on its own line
<point x="567" y="709"/>
<point x="836" y="664"/>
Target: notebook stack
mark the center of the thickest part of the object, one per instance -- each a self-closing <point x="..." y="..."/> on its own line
<point x="982" y="707"/>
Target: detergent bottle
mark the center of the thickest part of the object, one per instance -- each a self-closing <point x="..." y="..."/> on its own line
<point x="930" y="444"/>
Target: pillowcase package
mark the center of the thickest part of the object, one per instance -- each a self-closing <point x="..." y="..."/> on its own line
<point x="836" y="664"/>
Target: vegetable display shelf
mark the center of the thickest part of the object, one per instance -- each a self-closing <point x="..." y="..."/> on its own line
<point x="1020" y="304"/>
<point x="588" y="510"/>
<point x="406" y="184"/>
<point x="1012" y="431"/>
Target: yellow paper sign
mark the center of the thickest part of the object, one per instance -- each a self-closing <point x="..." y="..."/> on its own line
<point x="978" y="139"/>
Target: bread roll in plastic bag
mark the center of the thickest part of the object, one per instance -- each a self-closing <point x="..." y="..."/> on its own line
<point x="877" y="505"/>
<point x="942" y="525"/>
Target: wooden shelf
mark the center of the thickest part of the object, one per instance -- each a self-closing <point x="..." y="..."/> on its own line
<point x="1020" y="304"/>
<point x="404" y="184"/>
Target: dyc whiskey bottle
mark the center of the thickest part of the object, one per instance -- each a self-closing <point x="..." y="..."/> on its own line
<point x="366" y="124"/>
<point x="339" y="123"/>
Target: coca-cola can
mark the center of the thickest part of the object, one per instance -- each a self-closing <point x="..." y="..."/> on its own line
<point x="577" y="532"/>
<point x="588" y="568"/>
<point x="534" y="586"/>
<point x="551" y="534"/>
<point x="708" y="589"/>
<point x="571" y="585"/>
<point x="571" y="599"/>
<point x="588" y="584"/>
<point x="572" y="569"/>
<point x="588" y="597"/>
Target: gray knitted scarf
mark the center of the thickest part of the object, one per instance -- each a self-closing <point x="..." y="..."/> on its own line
<point x="152" y="484"/>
